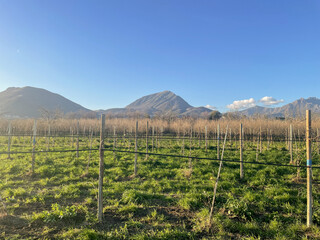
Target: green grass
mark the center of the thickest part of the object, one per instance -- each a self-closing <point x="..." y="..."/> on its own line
<point x="166" y="200"/>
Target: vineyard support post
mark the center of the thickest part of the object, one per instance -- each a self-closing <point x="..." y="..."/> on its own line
<point x="260" y="139"/>
<point x="318" y="149"/>
<point x="77" y="138"/>
<point x="309" y="168"/>
<point x="218" y="141"/>
<point x="182" y="146"/>
<point x="290" y="145"/>
<point x="199" y="137"/>
<point x="241" y="153"/>
<point x="268" y="139"/>
<point x="152" y="138"/>
<point x="136" y="150"/>
<point x="147" y="144"/>
<point x="48" y="139"/>
<point x="9" y="139"/>
<point x="114" y="142"/>
<point x="206" y="137"/>
<point x="101" y="169"/>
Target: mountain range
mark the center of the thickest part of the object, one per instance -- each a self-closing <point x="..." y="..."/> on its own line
<point x="295" y="109"/>
<point x="31" y="102"/>
<point x="164" y="103"/>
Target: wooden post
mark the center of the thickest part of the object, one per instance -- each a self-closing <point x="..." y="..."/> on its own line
<point x="190" y="137"/>
<point x="78" y="139"/>
<point x="235" y="141"/>
<point x="298" y="160"/>
<point x="218" y="141"/>
<point x="157" y="139"/>
<point x="114" y="142"/>
<point x="152" y="138"/>
<point x="199" y="136"/>
<point x="257" y="150"/>
<point x="268" y="139"/>
<point x="309" y="168"/>
<point x="136" y="150"/>
<point x="129" y="139"/>
<point x="190" y="161"/>
<point x="48" y="137"/>
<point x="318" y="149"/>
<point x="33" y="145"/>
<point x="241" y="153"/>
<point x="123" y="142"/>
<point x="182" y="147"/>
<point x="147" y="144"/>
<point x="101" y="170"/>
<point x="287" y="137"/>
<point x="260" y="136"/>
<point x="206" y="137"/>
<point x="290" y="145"/>
<point x="48" y="140"/>
<point x="9" y="139"/>
<point x="214" y="138"/>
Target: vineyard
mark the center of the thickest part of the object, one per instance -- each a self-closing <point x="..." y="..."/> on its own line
<point x="181" y="179"/>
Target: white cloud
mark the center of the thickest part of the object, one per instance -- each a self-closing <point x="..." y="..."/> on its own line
<point x="210" y="107"/>
<point x="268" y="101"/>
<point x="241" y="104"/>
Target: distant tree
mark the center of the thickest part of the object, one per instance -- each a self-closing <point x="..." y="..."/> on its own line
<point x="146" y="115"/>
<point x="215" y="115"/>
<point x="50" y="115"/>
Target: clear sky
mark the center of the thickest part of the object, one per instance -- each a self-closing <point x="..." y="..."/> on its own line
<point x="108" y="53"/>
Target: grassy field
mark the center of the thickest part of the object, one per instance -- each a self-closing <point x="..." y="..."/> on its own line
<point x="170" y="198"/>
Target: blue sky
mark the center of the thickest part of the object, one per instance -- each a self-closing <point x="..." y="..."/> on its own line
<point x="104" y="54"/>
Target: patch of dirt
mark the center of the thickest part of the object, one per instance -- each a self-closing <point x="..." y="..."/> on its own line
<point x="9" y="220"/>
<point x="11" y="225"/>
<point x="176" y="215"/>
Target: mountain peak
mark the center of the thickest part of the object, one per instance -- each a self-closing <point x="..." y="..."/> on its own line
<point x="166" y="92"/>
<point x="30" y="102"/>
<point x="162" y="103"/>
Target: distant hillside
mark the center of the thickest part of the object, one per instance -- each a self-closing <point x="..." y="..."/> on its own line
<point x="294" y="109"/>
<point x="30" y="102"/>
<point x="163" y="104"/>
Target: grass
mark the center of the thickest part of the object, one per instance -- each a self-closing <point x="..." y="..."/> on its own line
<point x="168" y="199"/>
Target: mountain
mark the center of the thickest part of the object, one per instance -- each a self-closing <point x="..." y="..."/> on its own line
<point x="164" y="103"/>
<point x="31" y="102"/>
<point x="295" y="109"/>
